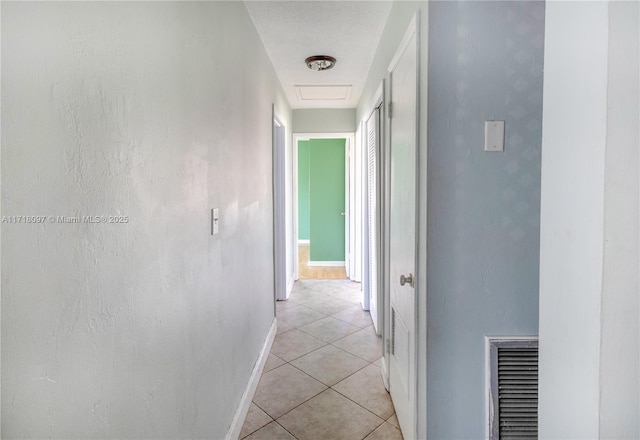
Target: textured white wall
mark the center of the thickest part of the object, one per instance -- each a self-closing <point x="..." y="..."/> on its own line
<point x="588" y="262"/>
<point x="158" y="112"/>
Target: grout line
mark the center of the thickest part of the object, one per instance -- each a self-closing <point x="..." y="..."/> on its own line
<point x="360" y="357"/>
<point x="302" y="403"/>
<point x="303" y="355"/>
<point x="290" y="433"/>
<point x="360" y="405"/>
<point x="268" y="415"/>
<point x="317" y="380"/>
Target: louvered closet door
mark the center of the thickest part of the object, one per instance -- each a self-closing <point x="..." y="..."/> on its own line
<point x="372" y="214"/>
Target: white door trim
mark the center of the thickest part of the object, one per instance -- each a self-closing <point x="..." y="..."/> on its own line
<point x="279" y="208"/>
<point x="350" y="142"/>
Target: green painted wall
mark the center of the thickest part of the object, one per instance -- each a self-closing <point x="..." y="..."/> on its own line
<point x="326" y="190"/>
<point x="303" y="190"/>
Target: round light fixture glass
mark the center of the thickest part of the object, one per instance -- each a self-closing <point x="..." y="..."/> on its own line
<point x="320" y="62"/>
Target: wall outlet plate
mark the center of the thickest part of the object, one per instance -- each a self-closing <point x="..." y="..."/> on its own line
<point x="493" y="135"/>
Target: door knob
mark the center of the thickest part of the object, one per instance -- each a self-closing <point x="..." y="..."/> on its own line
<point x="342" y="213"/>
<point x="406" y="280"/>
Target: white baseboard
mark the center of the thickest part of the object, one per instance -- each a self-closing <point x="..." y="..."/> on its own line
<point x="290" y="285"/>
<point x="325" y="264"/>
<point x="250" y="390"/>
<point x="304" y="241"/>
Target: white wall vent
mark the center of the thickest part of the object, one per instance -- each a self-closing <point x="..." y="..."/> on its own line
<point x="513" y="387"/>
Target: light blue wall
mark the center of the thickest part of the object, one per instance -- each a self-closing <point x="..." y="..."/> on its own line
<point x="485" y="62"/>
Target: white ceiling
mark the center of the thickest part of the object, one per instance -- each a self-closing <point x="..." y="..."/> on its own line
<point x="294" y="30"/>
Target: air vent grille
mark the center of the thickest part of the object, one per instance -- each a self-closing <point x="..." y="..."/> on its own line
<point x="514" y="389"/>
<point x="393" y="331"/>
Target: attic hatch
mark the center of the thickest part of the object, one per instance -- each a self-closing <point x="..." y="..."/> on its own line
<point x="513" y="392"/>
<point x="323" y="92"/>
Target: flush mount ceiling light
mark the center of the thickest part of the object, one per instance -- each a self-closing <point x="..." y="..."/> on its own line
<point x="320" y="62"/>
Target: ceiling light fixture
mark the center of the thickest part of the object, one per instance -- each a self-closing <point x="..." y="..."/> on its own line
<point x="320" y="62"/>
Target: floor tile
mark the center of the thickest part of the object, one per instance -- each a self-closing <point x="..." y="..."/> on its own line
<point x="364" y="343"/>
<point x="299" y="285"/>
<point x="314" y="284"/>
<point x="303" y="292"/>
<point x="296" y="317"/>
<point x="284" y="305"/>
<point x="293" y="344"/>
<point x="386" y="431"/>
<point x="329" y="329"/>
<point x="330" y="416"/>
<point x="284" y="388"/>
<point x="354" y="316"/>
<point x="352" y="297"/>
<point x="273" y="361"/>
<point x="329" y="341"/>
<point x="378" y="362"/>
<point x="273" y="431"/>
<point x="329" y="305"/>
<point x="302" y="296"/>
<point x="365" y="388"/>
<point x="394" y="421"/>
<point x="329" y="364"/>
<point x="256" y="419"/>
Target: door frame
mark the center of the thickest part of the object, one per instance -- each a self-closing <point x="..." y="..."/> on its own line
<point x="281" y="292"/>
<point x="349" y="230"/>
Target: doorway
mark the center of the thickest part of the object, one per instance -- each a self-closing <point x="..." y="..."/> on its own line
<point x="323" y="193"/>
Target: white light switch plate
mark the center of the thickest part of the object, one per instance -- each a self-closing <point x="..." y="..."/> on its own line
<point x="493" y="135"/>
<point x="215" y="219"/>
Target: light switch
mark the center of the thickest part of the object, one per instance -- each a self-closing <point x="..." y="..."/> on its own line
<point x="493" y="135"/>
<point x="215" y="219"/>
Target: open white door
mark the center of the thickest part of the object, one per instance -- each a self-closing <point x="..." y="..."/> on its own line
<point x="403" y="73"/>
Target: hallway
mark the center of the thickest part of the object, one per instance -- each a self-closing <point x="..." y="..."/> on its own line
<point x="322" y="378"/>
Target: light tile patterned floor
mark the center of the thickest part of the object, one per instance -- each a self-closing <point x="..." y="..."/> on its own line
<point x="322" y="378"/>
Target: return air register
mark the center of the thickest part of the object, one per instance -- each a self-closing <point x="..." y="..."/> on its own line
<point x="513" y="387"/>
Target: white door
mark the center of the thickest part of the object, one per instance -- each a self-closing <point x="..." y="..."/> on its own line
<point x="402" y="246"/>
